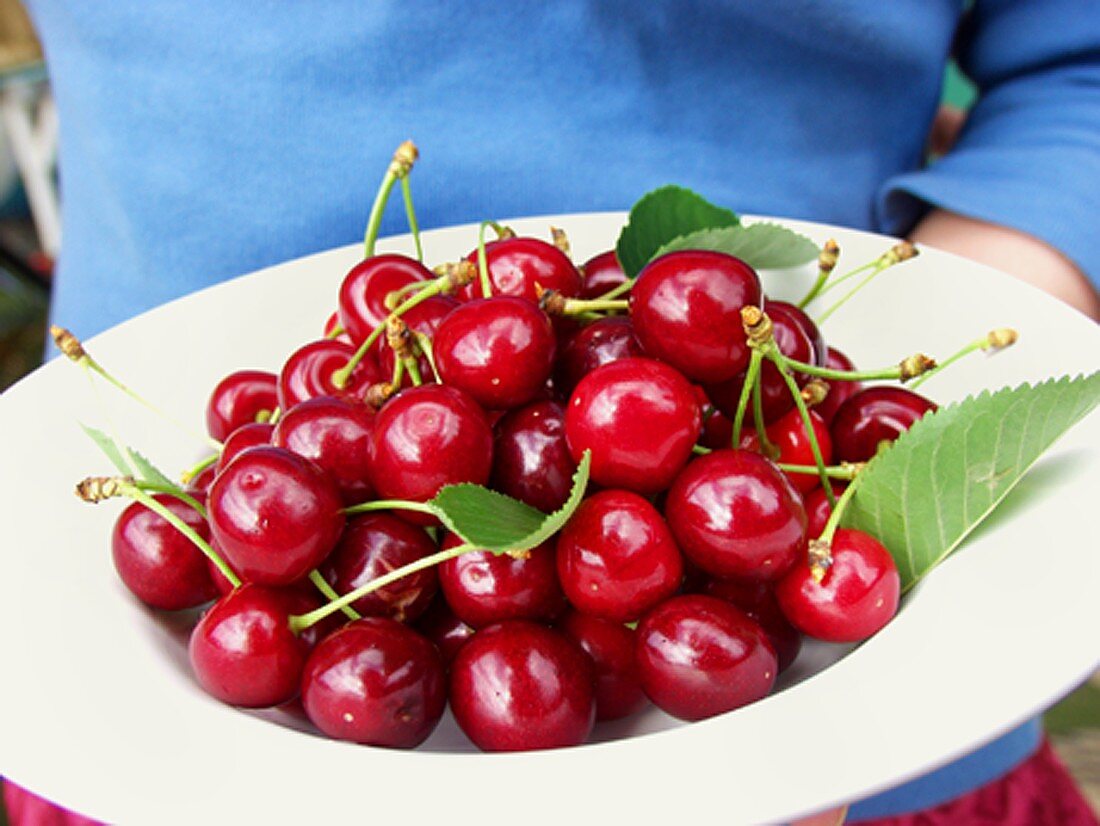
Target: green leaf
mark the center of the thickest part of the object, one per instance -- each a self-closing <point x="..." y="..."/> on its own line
<point x="661" y="216"/>
<point x="922" y="496"/>
<point x="498" y="523"/>
<point x="762" y="246"/>
<point x="149" y="471"/>
<point x="146" y="469"/>
<point x="109" y="448"/>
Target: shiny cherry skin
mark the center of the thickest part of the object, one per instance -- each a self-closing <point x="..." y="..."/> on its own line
<point x="601" y="342"/>
<point x="427" y="437"/>
<point x="363" y="292"/>
<point x="238" y="399"/>
<point x="308" y="373"/>
<point x="249" y="435"/>
<point x="275" y="515"/>
<point x="799" y="317"/>
<point x="686" y="311"/>
<point x="839" y="391"/>
<point x="332" y="324"/>
<point x="374" y="544"/>
<point x="518" y="265"/>
<point x="734" y="514"/>
<point x="159" y="565"/>
<point x="531" y="461"/>
<point x="440" y="625"/>
<point x="857" y="596"/>
<point x="757" y="600"/>
<point x="717" y="428"/>
<point x="499" y="351"/>
<point x="333" y="433"/>
<point x="640" y="419"/>
<point x="517" y="686"/>
<point x="818" y="509"/>
<point x="483" y="588"/>
<point x="425" y="319"/>
<point x="243" y="651"/>
<point x="602" y="273"/>
<point x="699" y="656"/>
<point x="611" y="647"/>
<point x="377" y="682"/>
<point x="873" y="416"/>
<point x="617" y="558"/>
<point x="788" y="433"/>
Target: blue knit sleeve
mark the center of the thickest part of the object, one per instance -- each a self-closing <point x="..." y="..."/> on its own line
<point x="1029" y="155"/>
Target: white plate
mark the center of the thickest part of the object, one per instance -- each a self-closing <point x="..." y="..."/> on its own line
<point x="100" y="713"/>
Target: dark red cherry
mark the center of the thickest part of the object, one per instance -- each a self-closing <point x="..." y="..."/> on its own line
<point x="686" y="311"/>
<point x="308" y="373"/>
<point x="499" y="351"/>
<point x="601" y="342"/>
<point x="717" y="428"/>
<point x="160" y="565"/>
<point x="200" y="483"/>
<point x="602" y="273"/>
<point x="364" y="289"/>
<point x="238" y="399"/>
<point x="243" y="651"/>
<point x="699" y="656"/>
<point x="640" y="419"/>
<point x="334" y="433"/>
<point x="427" y="437"/>
<point x="425" y="319"/>
<point x="839" y="391"/>
<point x="440" y="625"/>
<point x="611" y="647"/>
<point x="275" y="515"/>
<point x="482" y="587"/>
<point x="531" y="461"/>
<point x="241" y="439"/>
<point x="873" y="416"/>
<point x="374" y="544"/>
<point x="799" y="316"/>
<point x="734" y="514"/>
<point x="517" y="686"/>
<point x="857" y="596"/>
<point x="818" y="509"/>
<point x="375" y="681"/>
<point x="757" y="600"/>
<point x="617" y="558"/>
<point x="788" y="433"/>
<point x="518" y="265"/>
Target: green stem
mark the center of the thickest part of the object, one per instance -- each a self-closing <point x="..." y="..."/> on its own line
<point x="751" y="376"/>
<point x="576" y="306"/>
<point x="424" y="342"/>
<point x="840" y="279"/>
<point x="413" y="369"/>
<point x="199" y="467"/>
<point x="826" y="263"/>
<point x="902" y="251"/>
<point x="845" y="472"/>
<point x="994" y="340"/>
<point x="182" y="495"/>
<point x="886" y="373"/>
<point x="330" y="594"/>
<point x="391" y="504"/>
<point x="766" y="447"/>
<point x="410" y="213"/>
<point x="616" y="291"/>
<point x="699" y="450"/>
<point x="483" y="259"/>
<point x="838" y="506"/>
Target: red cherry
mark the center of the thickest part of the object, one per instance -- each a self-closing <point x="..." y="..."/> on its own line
<point x="308" y="372"/>
<point x="799" y="316"/>
<point x="531" y="461"/>
<point x="602" y="273"/>
<point x="734" y="514"/>
<point x="640" y="419"/>
<point x="332" y="324"/>
<point x="757" y="600"/>
<point x="857" y="596"/>
<point x="873" y="416"/>
<point x="425" y="319"/>
<point x="617" y="558"/>
<point x="686" y="311"/>
<point x="611" y="647"/>
<point x="839" y="391"/>
<point x="364" y="289"/>
<point x="275" y="515"/>
<point x="238" y="399"/>
<point x="517" y="686"/>
<point x="500" y="351"/>
<point x="699" y="656"/>
<point x="160" y="565"/>
<point x="244" y="437"/>
<point x="518" y="265"/>
<point x="788" y="433"/>
<point x="442" y="627"/>
<point x="601" y="342"/>
<point x="375" y="681"/>
<point x="818" y="509"/>
<point x="717" y="428"/>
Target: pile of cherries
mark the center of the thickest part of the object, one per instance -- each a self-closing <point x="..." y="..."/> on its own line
<point x="685" y="578"/>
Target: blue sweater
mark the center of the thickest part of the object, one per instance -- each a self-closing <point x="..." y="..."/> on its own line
<point x="203" y="140"/>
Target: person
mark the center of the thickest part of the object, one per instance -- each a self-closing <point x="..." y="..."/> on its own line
<point x="202" y="141"/>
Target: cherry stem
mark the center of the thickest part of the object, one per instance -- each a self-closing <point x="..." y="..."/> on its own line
<point x="846" y="471"/>
<point x="751" y="376"/>
<point x="413" y="369"/>
<point x="403" y="159"/>
<point x="198" y="468"/>
<point x="826" y="263"/>
<point x="838" y="506"/>
<point x="902" y="251"/>
<point x="483" y="259"/>
<point x="617" y="290"/>
<point x="301" y="622"/>
<point x="993" y="341"/>
<point x="410" y="214"/>
<point x="766" y="447"/>
<point x="398" y="372"/>
<point x="903" y="371"/>
<point x="335" y="332"/>
<point x="391" y="504"/>
<point x="577" y="306"/>
<point x="330" y="594"/>
<point x="182" y="495"/>
<point x="424" y="342"/>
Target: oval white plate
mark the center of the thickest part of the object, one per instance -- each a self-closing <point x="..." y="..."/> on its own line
<point x="100" y="712"/>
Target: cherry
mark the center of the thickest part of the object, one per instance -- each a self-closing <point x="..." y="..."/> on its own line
<point x="427" y="437"/>
<point x="332" y="324"/>
<point x="518" y="265"/>
<point x="788" y="433"/>
<point x="734" y="514"/>
<point x="531" y="461"/>
<point x="699" y="656"/>
<point x="686" y="310"/>
<point x="602" y="273"/>
<point x="309" y="369"/>
<point x="243" y="651"/>
<point x="601" y="342"/>
<point x="375" y="681"/>
<point x="611" y="647"/>
<point x="364" y="289"/>
<point x="757" y="600"/>
<point x="799" y="317"/>
<point x="374" y="544"/>
<point x="425" y="319"/>
<point x="440" y="625"/>
<point x="818" y="509"/>
<point x="617" y="558"/>
<point x="517" y="686"/>
<point x="500" y="351"/>
<point x="717" y="428"/>
<point x="200" y="483"/>
<point x="482" y="587"/>
<point x="873" y="416"/>
<point x="334" y="433"/>
<point x="640" y="419"/>
<point x="856" y="597"/>
<point x="238" y="399"/>
<point x="839" y="391"/>
<point x="160" y="565"/>
<point x="274" y="514"/>
<point x="241" y="439"/>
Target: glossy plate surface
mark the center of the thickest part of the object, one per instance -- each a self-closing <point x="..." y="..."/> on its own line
<point x="100" y="712"/>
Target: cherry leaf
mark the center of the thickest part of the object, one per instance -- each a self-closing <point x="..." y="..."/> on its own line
<point x="149" y="472"/>
<point x="923" y="495"/>
<point x="662" y="216"/>
<point x="494" y="522"/>
<point x="109" y="448"/>
<point x="118" y="455"/>
<point x="763" y="245"/>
